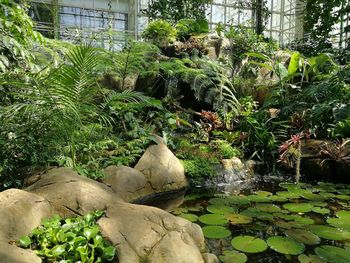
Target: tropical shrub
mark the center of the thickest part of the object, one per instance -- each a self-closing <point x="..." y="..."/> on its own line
<point x="226" y="150"/>
<point x="198" y="169"/>
<point x="70" y="240"/>
<point x="198" y="79"/>
<point x="160" y="33"/>
<point x="175" y="10"/>
<point x="50" y="110"/>
<point x="190" y="27"/>
<point x="17" y="37"/>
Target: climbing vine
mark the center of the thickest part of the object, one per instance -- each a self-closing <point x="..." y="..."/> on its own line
<point x="319" y="24"/>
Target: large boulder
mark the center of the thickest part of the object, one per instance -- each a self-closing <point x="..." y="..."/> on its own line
<point x="143" y="233"/>
<point x="162" y="169"/>
<point x="71" y="194"/>
<point x="20" y="212"/>
<point x="129" y="183"/>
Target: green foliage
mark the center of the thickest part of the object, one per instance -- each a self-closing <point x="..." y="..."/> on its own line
<point x="70" y="240"/>
<point x="190" y="27"/>
<point x="160" y="33"/>
<point x="134" y="59"/>
<point x="198" y="169"/>
<point x="319" y="24"/>
<point x="17" y="37"/>
<point x="244" y="40"/>
<point x="175" y="10"/>
<point x="342" y="129"/>
<point x="60" y="115"/>
<point x="227" y="151"/>
<point x="207" y="80"/>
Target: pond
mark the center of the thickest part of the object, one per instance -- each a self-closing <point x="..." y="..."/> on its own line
<point x="273" y="221"/>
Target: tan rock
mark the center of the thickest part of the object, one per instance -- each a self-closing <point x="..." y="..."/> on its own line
<point x="71" y="194"/>
<point x="162" y="169"/>
<point x="142" y="232"/>
<point x="13" y="254"/>
<point x="20" y="212"/>
<point x="232" y="164"/>
<point x="128" y="183"/>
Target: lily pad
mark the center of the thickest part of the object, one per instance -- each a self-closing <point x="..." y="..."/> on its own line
<point x="253" y="212"/>
<point x="289" y="195"/>
<point x="285" y="245"/>
<point x="238" y="200"/>
<point x="333" y="254"/>
<point x="303" y="220"/>
<point x="258" y="199"/>
<point x="216" y="232"/>
<point x="190" y="217"/>
<point x="328" y="232"/>
<point x="249" y="244"/>
<point x="221" y="209"/>
<point x="277" y="198"/>
<point x="310" y="259"/>
<point x="327" y="195"/>
<point x="233" y="256"/>
<point x="342" y="223"/>
<point x="298" y="207"/>
<point x="303" y="236"/>
<point x="318" y="203"/>
<point x="321" y="210"/>
<point x="236" y="219"/>
<point x="314" y="197"/>
<point x="213" y="219"/>
<point x="263" y="193"/>
<point x="270" y="208"/>
<point x="343" y="197"/>
<point x="343" y="214"/>
<point x="284" y="216"/>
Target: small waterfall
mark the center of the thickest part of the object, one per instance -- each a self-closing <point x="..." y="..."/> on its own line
<point x="232" y="175"/>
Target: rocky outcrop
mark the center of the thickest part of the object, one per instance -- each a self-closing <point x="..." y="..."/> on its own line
<point x="139" y="233"/>
<point x="162" y="169"/>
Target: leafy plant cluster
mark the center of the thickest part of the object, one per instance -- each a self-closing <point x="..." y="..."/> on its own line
<point x="17" y="36"/>
<point x="70" y="240"/>
<point x="162" y="33"/>
<point x="320" y="24"/>
<point x="175" y="10"/>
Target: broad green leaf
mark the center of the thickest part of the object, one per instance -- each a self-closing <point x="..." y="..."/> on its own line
<point x="294" y="63"/>
<point x="330" y="233"/>
<point x="298" y="207"/>
<point x="237" y="219"/>
<point x="25" y="241"/>
<point x="333" y="254"/>
<point x="221" y="209"/>
<point x="281" y="71"/>
<point x="233" y="257"/>
<point x="249" y="244"/>
<point x="303" y="236"/>
<point x="213" y="219"/>
<point x="58" y="250"/>
<point x="189" y="217"/>
<point x="285" y="245"/>
<point x="91" y="232"/>
<point x="216" y="232"/>
<point x="109" y="253"/>
<point x="309" y="259"/>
